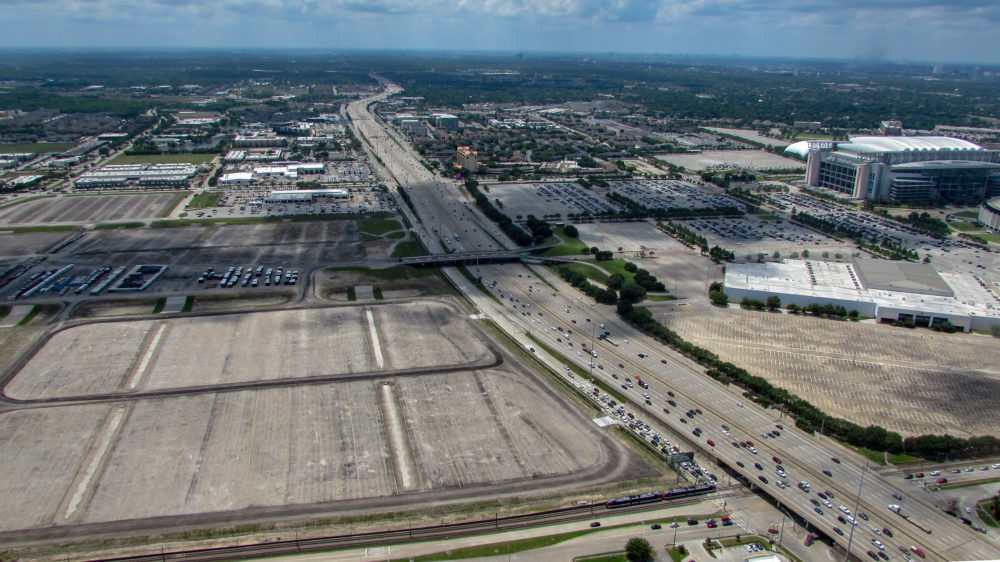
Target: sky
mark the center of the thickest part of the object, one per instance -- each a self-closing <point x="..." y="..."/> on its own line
<point x="896" y="30"/>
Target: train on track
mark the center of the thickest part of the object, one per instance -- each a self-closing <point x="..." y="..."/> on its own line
<point x="654" y="497"/>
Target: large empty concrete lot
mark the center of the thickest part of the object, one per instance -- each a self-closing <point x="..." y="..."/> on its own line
<point x="147" y="355"/>
<point x="279" y="447"/>
<point x="756" y="159"/>
<point x="87" y="208"/>
<point x="909" y="381"/>
<point x="464" y="426"/>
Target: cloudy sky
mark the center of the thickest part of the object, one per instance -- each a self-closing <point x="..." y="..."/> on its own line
<point x="908" y="30"/>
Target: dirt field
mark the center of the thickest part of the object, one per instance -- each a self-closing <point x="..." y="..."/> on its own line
<point x="910" y="381"/>
<point x="87" y="208"/>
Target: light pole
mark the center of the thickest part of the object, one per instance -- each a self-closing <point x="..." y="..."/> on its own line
<point x="857" y="502"/>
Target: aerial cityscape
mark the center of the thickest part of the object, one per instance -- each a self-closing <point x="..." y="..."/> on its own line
<point x="412" y="301"/>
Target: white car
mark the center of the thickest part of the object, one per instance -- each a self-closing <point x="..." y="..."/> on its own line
<point x="844" y="509"/>
<point x="878" y="543"/>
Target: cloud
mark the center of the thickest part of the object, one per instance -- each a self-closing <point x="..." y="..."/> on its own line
<point x="913" y="29"/>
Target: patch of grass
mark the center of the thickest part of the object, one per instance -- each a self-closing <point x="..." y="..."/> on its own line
<point x="398" y="235"/>
<point x="163" y="159"/>
<point x="378" y="227"/>
<point x="964" y="226"/>
<point x="40" y="147"/>
<point x="188" y="304"/>
<point x="408" y="249"/>
<point x="878" y="457"/>
<point x="660" y="298"/>
<point x="40" y="228"/>
<point x="990" y="237"/>
<point x="160" y="303"/>
<point x="351" y="296"/>
<point x="604" y="557"/>
<point x="984" y="513"/>
<point x="744" y="539"/>
<point x="4" y="310"/>
<point x="569" y="246"/>
<point x="501" y="548"/>
<point x="377" y="293"/>
<point x="967" y="214"/>
<point x="587" y="270"/>
<point x="119" y="225"/>
<point x="677" y="555"/>
<point x="204" y="200"/>
<point x="30" y="316"/>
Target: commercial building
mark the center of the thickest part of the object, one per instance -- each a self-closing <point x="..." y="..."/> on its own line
<point x="888" y="291"/>
<point x="467" y="159"/>
<point x="445" y="121"/>
<point x="137" y="175"/>
<point x="902" y="168"/>
<point x="989" y="214"/>
<point x="305" y="195"/>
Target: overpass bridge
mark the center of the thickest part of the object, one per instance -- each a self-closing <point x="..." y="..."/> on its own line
<point x="472" y="258"/>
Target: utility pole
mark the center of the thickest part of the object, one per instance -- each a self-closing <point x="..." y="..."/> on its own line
<point x="857" y="502"/>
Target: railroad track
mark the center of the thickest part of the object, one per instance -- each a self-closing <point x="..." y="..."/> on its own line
<point x="397" y="536"/>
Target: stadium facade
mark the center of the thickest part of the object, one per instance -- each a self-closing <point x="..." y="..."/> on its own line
<point x="902" y="169"/>
<point x="888" y="291"/>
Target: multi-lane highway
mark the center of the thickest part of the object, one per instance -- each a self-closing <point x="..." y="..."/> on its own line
<point x="448" y="222"/>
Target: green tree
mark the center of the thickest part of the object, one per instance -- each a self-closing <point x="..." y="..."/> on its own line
<point x="773" y="302"/>
<point x="571" y="231"/>
<point x="632" y="292"/>
<point x="718" y="298"/>
<point x="637" y="550"/>
<point x="615" y="281"/>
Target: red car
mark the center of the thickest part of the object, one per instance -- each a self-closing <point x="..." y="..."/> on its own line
<point x="776" y="460"/>
<point x="942" y="480"/>
<point x="835" y="459"/>
<point x="666" y="411"/>
<point x="918" y="552"/>
<point x="712" y="443"/>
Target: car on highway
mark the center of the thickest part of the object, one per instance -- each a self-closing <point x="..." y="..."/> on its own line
<point x="863" y="515"/>
<point x="762" y="479"/>
<point x="740" y="464"/>
<point x="711" y="443"/>
<point x="683" y="420"/>
<point x="666" y="411"/>
<point x="916" y="550"/>
<point x="838" y="531"/>
<point x="872" y="555"/>
<point x="595" y="524"/>
<point x="776" y="460"/>
<point x="758" y="466"/>
<point x="818" y="510"/>
<point x="878" y="544"/>
<point x="655" y="526"/>
<point x="835" y="459"/>
<point x="942" y="480"/>
<point x="887" y="532"/>
<point x="828" y="473"/>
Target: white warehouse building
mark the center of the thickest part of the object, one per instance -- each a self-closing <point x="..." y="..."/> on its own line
<point x="885" y="290"/>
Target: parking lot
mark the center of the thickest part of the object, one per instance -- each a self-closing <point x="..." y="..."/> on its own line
<point x="211" y="452"/>
<point x="88" y="208"/>
<point x="723" y="159"/>
<point x="753" y="235"/>
<point x="222" y="349"/>
<point x="910" y="381"/>
<point x="947" y="255"/>
<point x="552" y="198"/>
<point x="667" y="194"/>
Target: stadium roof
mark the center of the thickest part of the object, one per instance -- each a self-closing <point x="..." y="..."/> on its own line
<point x="892" y="144"/>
